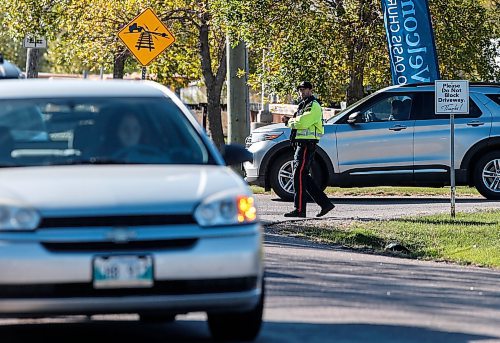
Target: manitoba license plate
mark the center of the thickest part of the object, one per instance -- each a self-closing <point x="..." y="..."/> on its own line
<point x="123" y="271"/>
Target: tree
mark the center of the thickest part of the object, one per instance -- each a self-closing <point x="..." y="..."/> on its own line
<point x="341" y="46"/>
<point x="330" y="43"/>
<point x="89" y="40"/>
<point x="31" y="17"/>
<point x="465" y="30"/>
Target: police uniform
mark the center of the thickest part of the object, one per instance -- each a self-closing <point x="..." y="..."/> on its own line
<point x="307" y="129"/>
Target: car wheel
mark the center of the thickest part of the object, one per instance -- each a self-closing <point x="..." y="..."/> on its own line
<point x="237" y="326"/>
<point x="487" y="175"/>
<point x="281" y="176"/>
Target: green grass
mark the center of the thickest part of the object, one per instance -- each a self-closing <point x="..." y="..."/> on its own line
<point x="390" y="191"/>
<point x="470" y="238"/>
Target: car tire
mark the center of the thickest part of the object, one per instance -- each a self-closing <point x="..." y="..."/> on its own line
<point x="281" y="170"/>
<point x="237" y="326"/>
<point x="487" y="175"/>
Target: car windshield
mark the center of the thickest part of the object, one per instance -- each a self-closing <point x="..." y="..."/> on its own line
<point x="349" y="108"/>
<point x="41" y="132"/>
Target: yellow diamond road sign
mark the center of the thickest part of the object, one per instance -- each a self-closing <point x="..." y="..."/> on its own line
<point x="146" y="37"/>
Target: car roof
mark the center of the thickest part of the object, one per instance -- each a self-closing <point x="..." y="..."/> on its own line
<point x="482" y="87"/>
<point x="9" y="70"/>
<point x="54" y="88"/>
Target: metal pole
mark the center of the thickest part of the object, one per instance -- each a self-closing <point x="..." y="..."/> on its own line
<point x="101" y="74"/>
<point x="144" y="73"/>
<point x="452" y="163"/>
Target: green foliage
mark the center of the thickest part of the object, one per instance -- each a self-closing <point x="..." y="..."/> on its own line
<point x="330" y="42"/>
<point x="464" y="30"/>
<point x="335" y="44"/>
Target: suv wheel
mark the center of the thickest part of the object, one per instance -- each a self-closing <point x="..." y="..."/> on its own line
<point x="239" y="326"/>
<point x="281" y="176"/>
<point x="487" y="175"/>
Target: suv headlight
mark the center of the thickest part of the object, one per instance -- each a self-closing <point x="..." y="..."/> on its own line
<point x="226" y="210"/>
<point x="18" y="218"/>
<point x="265" y="136"/>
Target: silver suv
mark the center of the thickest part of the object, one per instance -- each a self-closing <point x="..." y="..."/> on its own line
<point x="392" y="137"/>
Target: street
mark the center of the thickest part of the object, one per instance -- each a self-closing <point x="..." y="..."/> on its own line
<point x="317" y="293"/>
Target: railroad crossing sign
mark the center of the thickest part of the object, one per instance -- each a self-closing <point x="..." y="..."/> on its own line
<point x="146" y="37"/>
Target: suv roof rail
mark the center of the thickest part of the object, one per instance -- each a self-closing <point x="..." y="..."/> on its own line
<point x="479" y="83"/>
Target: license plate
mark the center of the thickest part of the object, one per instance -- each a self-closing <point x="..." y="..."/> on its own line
<point x="123" y="271"/>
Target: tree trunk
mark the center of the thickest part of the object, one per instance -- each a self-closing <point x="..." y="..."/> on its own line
<point x="355" y="89"/>
<point x="356" y="72"/>
<point x="32" y="59"/>
<point x="214" y="116"/>
<point x="119" y="65"/>
<point x="214" y="84"/>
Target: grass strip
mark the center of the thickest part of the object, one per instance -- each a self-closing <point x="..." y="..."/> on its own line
<point x="470" y="238"/>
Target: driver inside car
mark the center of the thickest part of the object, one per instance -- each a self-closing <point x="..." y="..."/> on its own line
<point x="125" y="138"/>
<point x="129" y="130"/>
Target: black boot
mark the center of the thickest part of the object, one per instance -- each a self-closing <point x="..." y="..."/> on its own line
<point x="325" y="210"/>
<point x="296" y="213"/>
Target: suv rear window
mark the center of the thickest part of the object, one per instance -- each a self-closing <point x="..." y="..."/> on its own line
<point x="426" y="108"/>
<point x="494" y="97"/>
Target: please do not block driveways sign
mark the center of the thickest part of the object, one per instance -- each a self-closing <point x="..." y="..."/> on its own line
<point x="452" y="96"/>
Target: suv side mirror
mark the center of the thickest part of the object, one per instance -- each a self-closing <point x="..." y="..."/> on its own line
<point x="235" y="154"/>
<point x="353" y="118"/>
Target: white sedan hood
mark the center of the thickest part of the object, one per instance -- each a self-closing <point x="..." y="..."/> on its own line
<point x="118" y="189"/>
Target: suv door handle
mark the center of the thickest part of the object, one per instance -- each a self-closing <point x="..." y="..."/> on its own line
<point x="475" y="123"/>
<point x="397" y="128"/>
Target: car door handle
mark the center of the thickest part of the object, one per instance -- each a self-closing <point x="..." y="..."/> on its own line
<point x="397" y="128"/>
<point x="475" y="123"/>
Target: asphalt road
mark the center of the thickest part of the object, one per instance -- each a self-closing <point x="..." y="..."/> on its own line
<point x="317" y="293"/>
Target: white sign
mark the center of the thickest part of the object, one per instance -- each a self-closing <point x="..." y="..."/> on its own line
<point x="452" y="96"/>
<point x="35" y="42"/>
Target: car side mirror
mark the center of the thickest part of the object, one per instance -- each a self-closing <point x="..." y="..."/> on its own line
<point x="235" y="154"/>
<point x="353" y="118"/>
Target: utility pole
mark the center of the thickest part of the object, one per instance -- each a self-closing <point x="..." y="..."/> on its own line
<point x="238" y="102"/>
<point x="264" y="117"/>
<point x="32" y="58"/>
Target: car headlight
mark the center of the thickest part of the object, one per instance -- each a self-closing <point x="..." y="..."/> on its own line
<point x="265" y="136"/>
<point x="18" y="218"/>
<point x="226" y="210"/>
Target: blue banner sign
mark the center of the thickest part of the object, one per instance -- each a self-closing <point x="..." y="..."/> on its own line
<point x="411" y="41"/>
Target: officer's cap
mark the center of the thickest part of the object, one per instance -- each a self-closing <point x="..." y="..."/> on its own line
<point x="305" y="84"/>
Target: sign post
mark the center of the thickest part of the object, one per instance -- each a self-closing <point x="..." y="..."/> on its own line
<point x="452" y="97"/>
<point x="146" y="37"/>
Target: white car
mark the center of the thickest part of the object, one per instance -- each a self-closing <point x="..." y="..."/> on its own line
<point x="123" y="205"/>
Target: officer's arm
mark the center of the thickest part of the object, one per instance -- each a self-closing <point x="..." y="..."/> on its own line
<point x="307" y="119"/>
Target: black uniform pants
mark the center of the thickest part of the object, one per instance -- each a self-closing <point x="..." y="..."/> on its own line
<point x="303" y="183"/>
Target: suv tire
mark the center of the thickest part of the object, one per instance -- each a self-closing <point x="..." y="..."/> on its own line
<point x="281" y="173"/>
<point x="487" y="175"/>
<point x="237" y="326"/>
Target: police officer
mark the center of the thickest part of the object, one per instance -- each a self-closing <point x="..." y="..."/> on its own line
<point x="307" y="129"/>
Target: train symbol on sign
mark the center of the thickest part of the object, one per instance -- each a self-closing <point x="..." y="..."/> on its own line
<point x="145" y="40"/>
<point x="146" y="36"/>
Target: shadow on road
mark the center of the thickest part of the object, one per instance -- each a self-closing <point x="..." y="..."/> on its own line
<point x="365" y="283"/>
<point x="196" y="331"/>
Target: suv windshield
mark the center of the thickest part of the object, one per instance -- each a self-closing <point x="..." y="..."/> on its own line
<point x="39" y="132"/>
